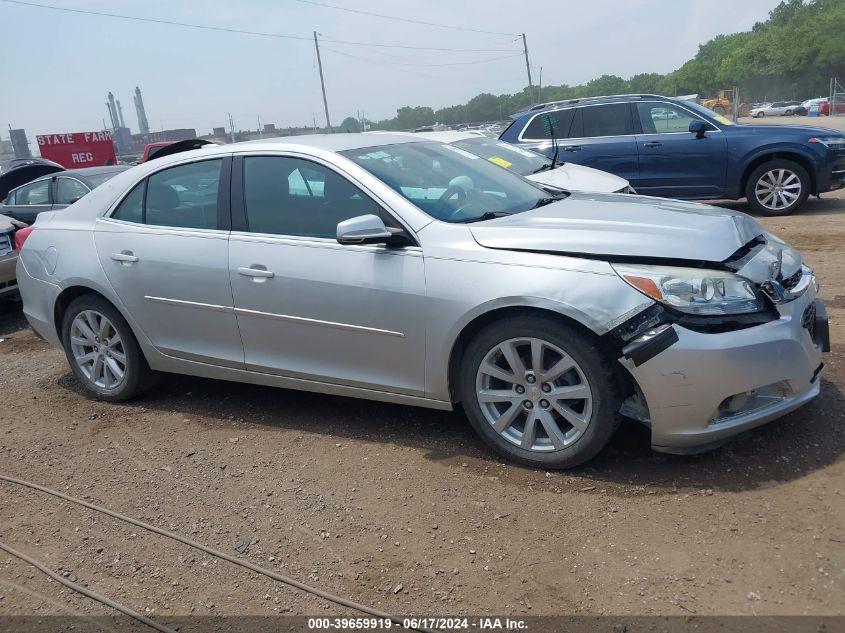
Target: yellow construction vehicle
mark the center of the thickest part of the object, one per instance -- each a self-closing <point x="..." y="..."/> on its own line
<point x="724" y="104"/>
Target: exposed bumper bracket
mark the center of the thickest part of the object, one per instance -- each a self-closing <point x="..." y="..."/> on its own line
<point x="822" y="329"/>
<point x="647" y="346"/>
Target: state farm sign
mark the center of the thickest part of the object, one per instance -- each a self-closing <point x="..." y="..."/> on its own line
<point x="79" y="149"/>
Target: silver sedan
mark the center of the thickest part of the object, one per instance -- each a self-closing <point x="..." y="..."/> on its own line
<point x="399" y="269"/>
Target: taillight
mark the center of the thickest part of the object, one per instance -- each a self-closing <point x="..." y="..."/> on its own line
<point x="21" y="235"/>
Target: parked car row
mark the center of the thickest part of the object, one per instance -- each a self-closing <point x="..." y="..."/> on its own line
<point x="405" y="269"/>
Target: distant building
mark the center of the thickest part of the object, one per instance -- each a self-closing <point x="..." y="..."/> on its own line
<point x="219" y="132"/>
<point x="270" y="128"/>
<point x="143" y="124"/>
<point x="20" y="144"/>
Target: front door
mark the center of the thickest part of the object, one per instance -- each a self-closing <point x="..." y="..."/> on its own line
<point x="674" y="162"/>
<point x="165" y="252"/>
<point x="308" y="307"/>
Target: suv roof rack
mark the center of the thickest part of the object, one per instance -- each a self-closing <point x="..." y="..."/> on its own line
<point x="541" y="106"/>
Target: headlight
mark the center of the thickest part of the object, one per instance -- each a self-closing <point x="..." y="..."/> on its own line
<point x="836" y="142"/>
<point x="693" y="290"/>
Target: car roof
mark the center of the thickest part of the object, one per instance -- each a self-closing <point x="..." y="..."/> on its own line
<point x="587" y="101"/>
<point x="331" y="142"/>
<point x="82" y="172"/>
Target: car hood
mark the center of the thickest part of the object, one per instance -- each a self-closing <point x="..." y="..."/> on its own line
<point x="572" y="177"/>
<point x="619" y="226"/>
<point x="18" y="176"/>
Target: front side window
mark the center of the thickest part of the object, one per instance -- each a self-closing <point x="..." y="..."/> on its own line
<point x="34" y="193"/>
<point x="292" y="196"/>
<point x="449" y="183"/>
<point x="184" y="196"/>
<point x="69" y="190"/>
<point x="664" y="118"/>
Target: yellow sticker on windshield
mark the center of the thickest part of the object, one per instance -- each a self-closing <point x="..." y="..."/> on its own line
<point x="501" y="162"/>
<point x="723" y="120"/>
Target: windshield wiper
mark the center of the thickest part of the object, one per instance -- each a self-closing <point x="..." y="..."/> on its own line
<point x="542" y="202"/>
<point x="489" y="215"/>
<point x="544" y="167"/>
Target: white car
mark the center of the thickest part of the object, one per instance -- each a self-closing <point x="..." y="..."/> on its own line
<point x="532" y="165"/>
<point x="778" y="108"/>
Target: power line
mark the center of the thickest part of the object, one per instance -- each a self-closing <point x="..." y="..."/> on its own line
<point x="408" y="20"/>
<point x="245" y="32"/>
<point x="394" y="63"/>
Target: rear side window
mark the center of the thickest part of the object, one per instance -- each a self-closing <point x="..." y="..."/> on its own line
<point x="33" y="194"/>
<point x="132" y="207"/>
<point x="540" y="129"/>
<point x="184" y="196"/>
<point x="603" y="120"/>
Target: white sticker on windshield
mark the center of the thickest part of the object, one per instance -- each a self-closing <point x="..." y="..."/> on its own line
<point x="518" y="150"/>
<point x="460" y="151"/>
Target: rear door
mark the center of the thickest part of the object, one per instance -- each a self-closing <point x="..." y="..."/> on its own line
<point x="673" y="162"/>
<point x="602" y="136"/>
<point x="165" y="252"/>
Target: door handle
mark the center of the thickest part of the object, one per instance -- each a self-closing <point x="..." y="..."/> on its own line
<point x="572" y="148"/>
<point x="653" y="144"/>
<point x="256" y="272"/>
<point x="124" y="256"/>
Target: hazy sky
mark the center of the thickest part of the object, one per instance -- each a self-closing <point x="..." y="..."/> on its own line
<point x="57" y="67"/>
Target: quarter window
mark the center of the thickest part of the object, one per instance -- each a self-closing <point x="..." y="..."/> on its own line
<point x="543" y="125"/>
<point x="34" y="193"/>
<point x="69" y="190"/>
<point x="291" y="196"/>
<point x="184" y="196"/>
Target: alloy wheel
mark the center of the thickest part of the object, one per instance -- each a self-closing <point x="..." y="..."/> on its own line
<point x="98" y="349"/>
<point x="778" y="189"/>
<point x="534" y="394"/>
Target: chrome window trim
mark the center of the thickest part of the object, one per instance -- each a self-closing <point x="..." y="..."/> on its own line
<point x="521" y="136"/>
<point x="320" y="242"/>
<point x="158" y="228"/>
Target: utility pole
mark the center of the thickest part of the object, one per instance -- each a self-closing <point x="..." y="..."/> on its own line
<point x="527" y="67"/>
<point x="323" y="83"/>
<point x="231" y="127"/>
<point x="259" y="126"/>
<point x="540" y="86"/>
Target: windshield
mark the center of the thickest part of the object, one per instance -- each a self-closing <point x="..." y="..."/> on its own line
<point x="707" y="112"/>
<point x="449" y="183"/>
<point x="505" y="155"/>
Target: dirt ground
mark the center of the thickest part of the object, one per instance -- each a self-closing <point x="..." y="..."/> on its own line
<point x="404" y="509"/>
<point x="831" y="122"/>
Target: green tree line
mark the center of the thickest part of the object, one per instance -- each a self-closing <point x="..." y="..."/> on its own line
<point x="791" y="55"/>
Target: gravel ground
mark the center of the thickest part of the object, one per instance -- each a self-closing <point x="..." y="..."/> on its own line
<point x="404" y="509"/>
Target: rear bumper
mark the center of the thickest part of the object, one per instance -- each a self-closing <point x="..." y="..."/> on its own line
<point x="39" y="299"/>
<point x="706" y="388"/>
<point x="8" y="282"/>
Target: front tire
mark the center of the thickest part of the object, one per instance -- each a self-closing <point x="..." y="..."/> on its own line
<point x="539" y="392"/>
<point x="102" y="351"/>
<point x="759" y="115"/>
<point x="778" y="187"/>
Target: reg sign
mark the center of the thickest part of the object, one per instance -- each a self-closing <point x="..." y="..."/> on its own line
<point x="78" y="149"/>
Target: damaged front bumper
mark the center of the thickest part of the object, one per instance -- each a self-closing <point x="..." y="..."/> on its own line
<point x="698" y="389"/>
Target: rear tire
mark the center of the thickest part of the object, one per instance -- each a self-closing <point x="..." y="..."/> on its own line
<point x="777" y="187"/>
<point x="102" y="351"/>
<point x="525" y="400"/>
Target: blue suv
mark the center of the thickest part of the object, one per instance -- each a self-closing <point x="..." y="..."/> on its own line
<point x="678" y="149"/>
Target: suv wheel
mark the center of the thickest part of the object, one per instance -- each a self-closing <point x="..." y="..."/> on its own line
<point x="778" y="187"/>
<point x="102" y="350"/>
<point x="539" y="393"/>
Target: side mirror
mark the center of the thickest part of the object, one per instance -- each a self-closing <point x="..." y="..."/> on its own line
<point x="699" y="128"/>
<point x="364" y="229"/>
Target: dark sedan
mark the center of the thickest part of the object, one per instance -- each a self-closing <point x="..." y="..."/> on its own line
<point x="55" y="190"/>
